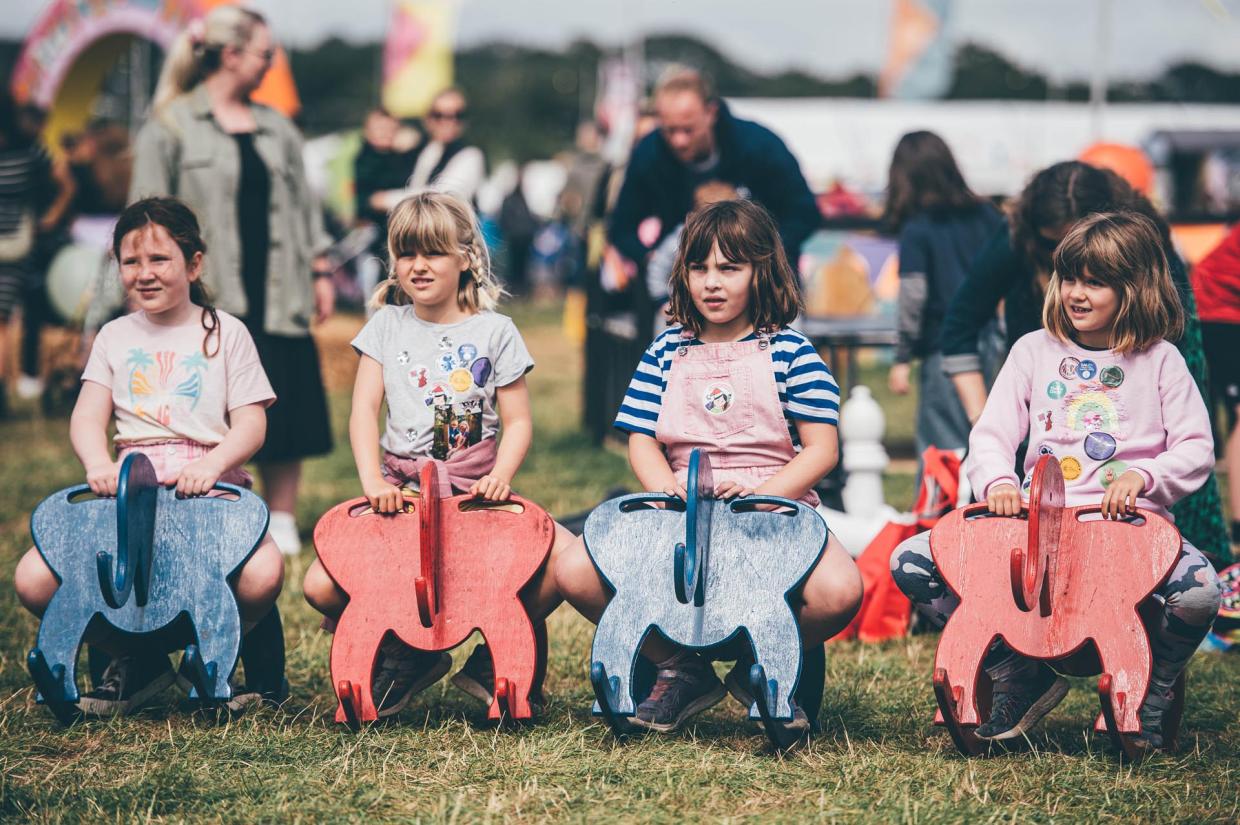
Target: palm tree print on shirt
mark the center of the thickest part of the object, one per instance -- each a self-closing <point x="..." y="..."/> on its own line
<point x="164" y="383"/>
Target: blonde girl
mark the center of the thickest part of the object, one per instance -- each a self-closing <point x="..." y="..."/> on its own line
<point x="452" y="371"/>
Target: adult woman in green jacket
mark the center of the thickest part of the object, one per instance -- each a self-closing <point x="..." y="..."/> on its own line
<point x="238" y="165"/>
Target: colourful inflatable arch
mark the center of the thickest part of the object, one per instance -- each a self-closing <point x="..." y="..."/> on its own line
<point x="72" y="45"/>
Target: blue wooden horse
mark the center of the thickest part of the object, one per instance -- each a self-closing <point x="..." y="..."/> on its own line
<point x="157" y="559"/>
<point x="730" y="565"/>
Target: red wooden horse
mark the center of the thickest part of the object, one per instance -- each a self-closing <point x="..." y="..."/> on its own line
<point x="1049" y="582"/>
<point x="433" y="574"/>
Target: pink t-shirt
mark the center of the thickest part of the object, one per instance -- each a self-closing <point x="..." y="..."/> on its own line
<point x="1099" y="414"/>
<point x="164" y="387"/>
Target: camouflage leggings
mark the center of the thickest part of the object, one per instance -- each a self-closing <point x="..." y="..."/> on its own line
<point x="1190" y="599"/>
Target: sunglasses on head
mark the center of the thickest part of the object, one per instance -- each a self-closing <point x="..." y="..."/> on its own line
<point x="457" y="115"/>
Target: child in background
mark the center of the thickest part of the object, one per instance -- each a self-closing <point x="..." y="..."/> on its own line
<point x="187" y="390"/>
<point x="733" y="295"/>
<point x="942" y="225"/>
<point x="452" y="371"/>
<point x="1102" y="390"/>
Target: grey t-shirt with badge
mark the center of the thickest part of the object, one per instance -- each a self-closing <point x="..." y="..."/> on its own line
<point x="440" y="379"/>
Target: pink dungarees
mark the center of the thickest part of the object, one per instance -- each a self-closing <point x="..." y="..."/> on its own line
<point x="723" y="398"/>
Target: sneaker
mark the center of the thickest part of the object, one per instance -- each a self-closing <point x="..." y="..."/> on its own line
<point x="243" y="698"/>
<point x="401" y="673"/>
<point x="1018" y="706"/>
<point x="1157" y="702"/>
<point x="28" y="387"/>
<point x="686" y="684"/>
<point x="477" y="678"/>
<point x="283" y="531"/>
<point x="128" y="683"/>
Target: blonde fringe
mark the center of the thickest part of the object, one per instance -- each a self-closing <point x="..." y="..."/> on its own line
<point x="440" y="222"/>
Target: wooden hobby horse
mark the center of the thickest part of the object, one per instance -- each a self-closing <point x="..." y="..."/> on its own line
<point x="702" y="572"/>
<point x="158" y="560"/>
<point x="1049" y="583"/>
<point x="434" y="573"/>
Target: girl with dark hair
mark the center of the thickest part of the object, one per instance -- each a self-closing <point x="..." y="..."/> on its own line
<point x="184" y="385"/>
<point x="1103" y="390"/>
<point x="729" y="376"/>
<point x="238" y="164"/>
<point x="1015" y="267"/>
<point x="941" y="225"/>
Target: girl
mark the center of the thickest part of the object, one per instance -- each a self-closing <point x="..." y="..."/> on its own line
<point x="444" y="360"/>
<point x="140" y="367"/>
<point x="942" y="225"/>
<point x="1014" y="269"/>
<point x="733" y="295"/>
<point x="1101" y="389"/>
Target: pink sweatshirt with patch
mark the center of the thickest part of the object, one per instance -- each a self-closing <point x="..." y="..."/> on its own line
<point x="1099" y="413"/>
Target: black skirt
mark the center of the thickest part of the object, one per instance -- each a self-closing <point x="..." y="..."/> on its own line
<point x="298" y="425"/>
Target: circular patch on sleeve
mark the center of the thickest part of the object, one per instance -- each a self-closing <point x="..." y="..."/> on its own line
<point x="1057" y="390"/>
<point x="1067" y="368"/>
<point x="1111" y="377"/>
<point x="1071" y="468"/>
<point x="1099" y="446"/>
<point x="1086" y="370"/>
<point x="718" y="398"/>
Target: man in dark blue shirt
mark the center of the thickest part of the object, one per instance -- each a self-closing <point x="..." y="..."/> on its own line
<point x="698" y="141"/>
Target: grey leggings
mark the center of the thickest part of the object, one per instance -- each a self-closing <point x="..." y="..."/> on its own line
<point x="1190" y="599"/>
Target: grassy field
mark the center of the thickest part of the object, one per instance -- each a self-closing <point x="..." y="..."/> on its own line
<point x="878" y="758"/>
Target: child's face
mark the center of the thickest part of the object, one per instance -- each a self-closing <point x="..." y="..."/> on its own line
<point x="154" y="271"/>
<point x="1091" y="306"/>
<point x="430" y="279"/>
<point x="720" y="289"/>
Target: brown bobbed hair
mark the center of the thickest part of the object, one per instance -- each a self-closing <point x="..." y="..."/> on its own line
<point x="180" y="222"/>
<point x="1123" y="250"/>
<point x="746" y="233"/>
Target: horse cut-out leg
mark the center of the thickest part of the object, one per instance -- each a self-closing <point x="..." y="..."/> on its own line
<point x="1127" y="659"/>
<point x="617" y="641"/>
<point x="960" y="654"/>
<point x="354" y="650"/>
<point x="515" y="663"/>
<point x="219" y="642"/>
<point x="777" y="648"/>
<point x="58" y="641"/>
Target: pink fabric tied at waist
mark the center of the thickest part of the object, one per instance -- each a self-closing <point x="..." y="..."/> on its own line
<point x="464" y="466"/>
<point x="169" y="457"/>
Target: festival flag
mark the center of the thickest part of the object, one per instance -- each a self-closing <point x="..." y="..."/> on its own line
<point x="919" y="59"/>
<point x="417" y="57"/>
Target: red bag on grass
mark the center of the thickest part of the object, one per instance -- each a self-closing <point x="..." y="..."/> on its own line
<point x="885" y="611"/>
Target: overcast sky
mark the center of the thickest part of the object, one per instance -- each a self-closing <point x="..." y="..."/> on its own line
<point x="828" y="37"/>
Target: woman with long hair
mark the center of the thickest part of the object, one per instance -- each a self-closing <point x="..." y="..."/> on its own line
<point x="942" y="226"/>
<point x="1016" y="267"/>
<point x="238" y="164"/>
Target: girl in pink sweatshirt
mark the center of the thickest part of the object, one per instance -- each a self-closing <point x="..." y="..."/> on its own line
<point x="1101" y="390"/>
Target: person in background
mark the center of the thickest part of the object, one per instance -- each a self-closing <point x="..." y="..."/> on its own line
<point x="941" y="225"/>
<point x="698" y="140"/>
<point x="447" y="162"/>
<point x="238" y="165"/>
<point x="34" y="197"/>
<point x="1216" y="285"/>
<point x="384" y="162"/>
